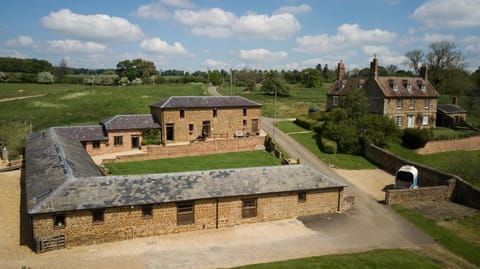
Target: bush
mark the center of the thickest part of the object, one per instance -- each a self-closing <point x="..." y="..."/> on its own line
<point x="414" y="138"/>
<point x="137" y="81"/>
<point x="327" y="146"/>
<point x="151" y="137"/>
<point x="45" y="77"/>
<point x="305" y="122"/>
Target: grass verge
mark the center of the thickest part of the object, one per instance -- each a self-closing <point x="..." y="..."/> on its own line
<point x="290" y="127"/>
<point x="447" y="238"/>
<point x="194" y="163"/>
<point x="382" y="258"/>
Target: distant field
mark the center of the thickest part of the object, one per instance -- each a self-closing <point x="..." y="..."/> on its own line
<point x="299" y="101"/>
<point x="195" y="163"/>
<point x="69" y="104"/>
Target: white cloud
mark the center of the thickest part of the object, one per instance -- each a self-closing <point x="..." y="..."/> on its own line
<point x="178" y="3"/>
<point x="471" y="39"/>
<point x="154" y="11"/>
<point x="158" y="46"/>
<point x="262" y="55"/>
<point x="212" y="31"/>
<point x="75" y="46"/>
<point x="204" y="17"/>
<point x="21" y="41"/>
<point x="214" y="64"/>
<point x="303" y="8"/>
<point x="447" y="13"/>
<point x="96" y="27"/>
<point x="353" y="33"/>
<point x="385" y="55"/>
<point x="276" y="27"/>
<point x="319" y="43"/>
<point x="437" y="37"/>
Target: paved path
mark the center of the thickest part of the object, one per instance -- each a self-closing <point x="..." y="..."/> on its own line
<point x="21" y="97"/>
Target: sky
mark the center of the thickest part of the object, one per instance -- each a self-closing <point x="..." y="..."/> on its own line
<point x="223" y="34"/>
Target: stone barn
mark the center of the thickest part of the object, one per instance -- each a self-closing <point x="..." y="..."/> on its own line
<point x="71" y="203"/>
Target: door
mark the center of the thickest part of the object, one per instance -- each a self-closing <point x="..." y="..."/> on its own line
<point x="255" y="126"/>
<point x="206" y="128"/>
<point x="135" y="141"/>
<point x="411" y="121"/>
<point x="170" y="134"/>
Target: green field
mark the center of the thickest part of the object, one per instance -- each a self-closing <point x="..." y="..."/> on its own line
<point x="299" y="101"/>
<point x="195" y="163"/>
<point x="394" y="258"/>
<point x="65" y="105"/>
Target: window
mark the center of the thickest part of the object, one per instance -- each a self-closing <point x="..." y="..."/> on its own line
<point x="96" y="144"/>
<point x="425" y="120"/>
<point x="423" y="87"/>
<point x="302" y="197"/>
<point x="395" y="87"/>
<point x="97" y="216"/>
<point x="214" y="112"/>
<point x="170" y="131"/>
<point x="409" y="86"/>
<point x="147" y="211"/>
<point x="185" y="214"/>
<point x="335" y="101"/>
<point x="59" y="221"/>
<point x="244" y="124"/>
<point x="118" y="140"/>
<point x="182" y="113"/>
<point x="244" y="111"/>
<point x="249" y="208"/>
<point x="426" y="103"/>
<point x="398" y="121"/>
<point x="191" y="127"/>
<point x="399" y="103"/>
<point x="412" y="103"/>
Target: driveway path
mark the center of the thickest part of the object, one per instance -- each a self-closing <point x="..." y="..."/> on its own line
<point x="21" y="97"/>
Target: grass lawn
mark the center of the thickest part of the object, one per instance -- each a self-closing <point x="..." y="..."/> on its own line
<point x="467" y="247"/>
<point x="290" y="127"/>
<point x="74" y="105"/>
<point x="395" y="258"/>
<point x="299" y="101"/>
<point x="194" y="163"/>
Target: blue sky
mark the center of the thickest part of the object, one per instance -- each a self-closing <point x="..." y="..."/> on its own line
<point x="223" y="34"/>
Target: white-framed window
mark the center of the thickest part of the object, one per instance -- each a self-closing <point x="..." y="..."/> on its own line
<point x="409" y="87"/>
<point x="398" y="121"/>
<point x="399" y="103"/>
<point x="426" y="103"/>
<point x="425" y="120"/>
<point x="423" y="87"/>
<point x="335" y="101"/>
<point x="118" y="140"/>
<point x="412" y="103"/>
<point x="395" y="87"/>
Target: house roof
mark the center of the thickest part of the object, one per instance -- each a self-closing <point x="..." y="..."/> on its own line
<point x="112" y="191"/>
<point x="83" y="133"/>
<point x="204" y="102"/>
<point x="127" y="122"/>
<point x="53" y="160"/>
<point x="343" y="86"/>
<point x="386" y="84"/>
<point x="450" y="109"/>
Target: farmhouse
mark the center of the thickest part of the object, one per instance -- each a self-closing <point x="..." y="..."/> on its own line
<point x="410" y="101"/>
<point x="71" y="202"/>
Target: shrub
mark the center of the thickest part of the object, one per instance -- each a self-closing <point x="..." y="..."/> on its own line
<point x="414" y="138"/>
<point x="151" y="137"/>
<point x="45" y="77"/>
<point x="3" y="77"/>
<point x="137" y="81"/>
<point x="327" y="146"/>
<point x="305" y="122"/>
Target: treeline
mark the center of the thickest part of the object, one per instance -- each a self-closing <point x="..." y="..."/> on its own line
<point x="29" y="66"/>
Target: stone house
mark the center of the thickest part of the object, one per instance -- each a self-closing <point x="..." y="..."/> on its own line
<point x="410" y="101"/>
<point x="451" y="115"/>
<point x="188" y="118"/>
<point x="70" y="201"/>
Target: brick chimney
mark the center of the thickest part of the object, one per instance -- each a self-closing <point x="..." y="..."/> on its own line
<point x="455" y="100"/>
<point x="340" y="71"/>
<point x="374" y="67"/>
<point x="424" y="72"/>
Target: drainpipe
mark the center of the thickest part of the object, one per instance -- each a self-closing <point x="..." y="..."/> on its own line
<point x="339" y="200"/>
<point x="216" y="213"/>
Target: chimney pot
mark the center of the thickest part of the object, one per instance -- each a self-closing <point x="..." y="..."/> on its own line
<point x="340" y="71"/>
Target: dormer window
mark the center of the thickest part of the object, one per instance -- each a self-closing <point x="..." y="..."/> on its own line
<point x="423" y="88"/>
<point x="409" y="86"/>
<point x="395" y="87"/>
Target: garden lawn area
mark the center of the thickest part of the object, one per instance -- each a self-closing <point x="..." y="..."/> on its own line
<point x="382" y="258"/>
<point x="290" y="127"/>
<point x="462" y="163"/>
<point x="299" y="101"/>
<point x="467" y="246"/>
<point x="66" y="105"/>
<point x="195" y="163"/>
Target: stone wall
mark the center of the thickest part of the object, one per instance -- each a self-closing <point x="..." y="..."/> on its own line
<point x="425" y="194"/>
<point x="194" y="149"/>
<point x="471" y="143"/>
<point x="127" y="222"/>
<point x="418" y="110"/>
<point x="463" y="192"/>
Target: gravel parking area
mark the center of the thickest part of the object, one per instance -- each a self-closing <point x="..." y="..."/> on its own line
<point x="371" y="181"/>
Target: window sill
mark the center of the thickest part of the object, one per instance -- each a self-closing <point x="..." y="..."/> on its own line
<point x="98" y="222"/>
<point x="59" y="227"/>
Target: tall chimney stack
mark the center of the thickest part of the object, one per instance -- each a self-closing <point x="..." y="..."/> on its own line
<point x="340" y="71"/>
<point x="424" y="72"/>
<point x="455" y="100"/>
<point x="374" y="67"/>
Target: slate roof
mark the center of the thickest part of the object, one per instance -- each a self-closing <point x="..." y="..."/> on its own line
<point x="53" y="160"/>
<point x="386" y="85"/>
<point x="337" y="89"/>
<point x="83" y="133"/>
<point x="111" y="191"/>
<point x="127" y="122"/>
<point x="204" y="102"/>
<point x="450" y="109"/>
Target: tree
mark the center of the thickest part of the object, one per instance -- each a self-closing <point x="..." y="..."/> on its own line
<point x="311" y="78"/>
<point x="137" y="68"/>
<point x="473" y="92"/>
<point x="356" y="103"/>
<point x="215" y="77"/>
<point x="61" y="70"/>
<point x="415" y="58"/>
<point x="3" y="77"/>
<point x="443" y="56"/>
<point x="273" y="83"/>
<point x="45" y="77"/>
<point x="391" y="69"/>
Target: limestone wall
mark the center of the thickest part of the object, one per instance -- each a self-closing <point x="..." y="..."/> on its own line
<point x="411" y="196"/>
<point x="127" y="222"/>
<point x="471" y="143"/>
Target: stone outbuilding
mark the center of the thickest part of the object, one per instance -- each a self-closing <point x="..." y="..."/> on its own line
<point x="451" y="115"/>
